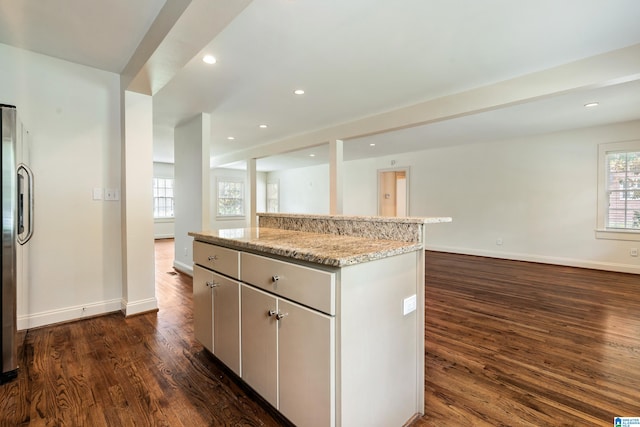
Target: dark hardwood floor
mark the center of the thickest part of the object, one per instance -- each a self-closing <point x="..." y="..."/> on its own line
<point x="519" y="344"/>
<point x="507" y="344"/>
<point x="145" y="370"/>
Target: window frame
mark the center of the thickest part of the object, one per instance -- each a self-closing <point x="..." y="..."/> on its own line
<point x="235" y="180"/>
<point x="172" y="198"/>
<point x="602" y="231"/>
<point x="277" y="197"/>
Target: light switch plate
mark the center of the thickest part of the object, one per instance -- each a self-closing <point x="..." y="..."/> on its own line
<point x="98" y="193"/>
<point x="409" y="305"/>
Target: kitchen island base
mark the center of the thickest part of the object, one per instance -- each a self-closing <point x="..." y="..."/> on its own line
<point x="327" y="340"/>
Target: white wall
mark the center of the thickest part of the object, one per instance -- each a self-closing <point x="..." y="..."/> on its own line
<point x="138" y="278"/>
<point x="303" y="190"/>
<point x="163" y="228"/>
<point x="537" y="194"/>
<point x="73" y="114"/>
<point x="192" y="189"/>
<point x="261" y="192"/>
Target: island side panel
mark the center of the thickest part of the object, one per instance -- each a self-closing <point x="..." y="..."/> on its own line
<point x="421" y="320"/>
<point x="379" y="370"/>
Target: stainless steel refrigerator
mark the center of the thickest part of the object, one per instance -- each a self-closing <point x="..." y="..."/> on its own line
<point x="17" y="229"/>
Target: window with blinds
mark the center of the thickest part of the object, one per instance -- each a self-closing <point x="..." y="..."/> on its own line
<point x="623" y="190"/>
<point x="230" y="198"/>
<point x="163" y="198"/>
<point x="273" y="204"/>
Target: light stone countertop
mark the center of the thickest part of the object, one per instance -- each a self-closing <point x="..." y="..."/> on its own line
<point x="320" y="248"/>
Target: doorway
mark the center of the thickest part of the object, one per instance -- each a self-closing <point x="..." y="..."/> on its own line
<point x="393" y="191"/>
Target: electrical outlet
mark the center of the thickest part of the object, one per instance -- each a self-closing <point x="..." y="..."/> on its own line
<point x="111" y="194"/>
<point x="499" y="241"/>
<point x="633" y="252"/>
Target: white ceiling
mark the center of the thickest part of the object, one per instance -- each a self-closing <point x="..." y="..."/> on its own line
<point x="435" y="72"/>
<point x="100" y="34"/>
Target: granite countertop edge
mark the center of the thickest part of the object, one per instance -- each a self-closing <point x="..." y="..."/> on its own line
<point x="368" y="249"/>
<point x="356" y="218"/>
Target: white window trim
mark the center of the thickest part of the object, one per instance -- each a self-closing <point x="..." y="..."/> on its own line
<point x="244" y="192"/>
<point x="164" y="219"/>
<point x="602" y="232"/>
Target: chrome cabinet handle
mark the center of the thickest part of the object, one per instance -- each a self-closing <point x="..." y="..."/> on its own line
<point x="215" y="285"/>
<point x="279" y="316"/>
<point x="275" y="278"/>
<point x="212" y="257"/>
<point x="209" y="284"/>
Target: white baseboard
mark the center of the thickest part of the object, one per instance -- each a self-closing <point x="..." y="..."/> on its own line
<point x="137" y="307"/>
<point x="183" y="268"/>
<point x="67" y="314"/>
<point x="569" y="262"/>
<point x="163" y="236"/>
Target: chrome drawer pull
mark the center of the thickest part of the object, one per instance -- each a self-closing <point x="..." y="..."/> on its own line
<point x="275" y="278"/>
<point x="212" y="257"/>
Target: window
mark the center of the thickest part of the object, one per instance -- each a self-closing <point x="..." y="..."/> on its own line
<point x="162" y="198"/>
<point x="619" y="190"/>
<point x="230" y="197"/>
<point x="623" y="187"/>
<point x="272" y="197"/>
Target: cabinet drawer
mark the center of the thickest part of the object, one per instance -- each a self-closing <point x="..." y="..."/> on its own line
<point x="222" y="260"/>
<point x="307" y="286"/>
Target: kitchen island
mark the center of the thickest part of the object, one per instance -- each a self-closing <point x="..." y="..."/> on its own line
<point x="322" y="315"/>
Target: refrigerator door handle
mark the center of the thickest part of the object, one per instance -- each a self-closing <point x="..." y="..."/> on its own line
<point x="25" y="173"/>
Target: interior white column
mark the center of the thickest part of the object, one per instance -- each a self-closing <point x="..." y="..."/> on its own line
<point x="138" y="262"/>
<point x="252" y="179"/>
<point x="192" y="186"/>
<point x="335" y="176"/>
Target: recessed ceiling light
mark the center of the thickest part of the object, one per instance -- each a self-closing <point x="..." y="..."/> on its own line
<point x="263" y="126"/>
<point x="231" y="138"/>
<point x="209" y="59"/>
<point x="372" y="145"/>
<point x="312" y="155"/>
<point x="591" y="104"/>
<point x="299" y="92"/>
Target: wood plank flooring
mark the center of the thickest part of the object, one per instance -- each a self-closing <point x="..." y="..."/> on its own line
<point x="507" y="344"/>
<point x="144" y="370"/>
<point x="519" y="344"/>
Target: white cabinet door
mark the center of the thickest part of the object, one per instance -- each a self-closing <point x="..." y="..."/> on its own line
<point x="306" y="365"/>
<point x="203" y="306"/>
<point x="259" y="342"/>
<point x="226" y="321"/>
